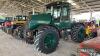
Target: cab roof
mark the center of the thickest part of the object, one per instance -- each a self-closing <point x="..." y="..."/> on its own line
<point x="57" y="4"/>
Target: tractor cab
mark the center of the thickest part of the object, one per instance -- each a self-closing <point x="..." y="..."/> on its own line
<point x="59" y="10"/>
<point x="7" y="22"/>
<point x="8" y="18"/>
<point x="19" y="20"/>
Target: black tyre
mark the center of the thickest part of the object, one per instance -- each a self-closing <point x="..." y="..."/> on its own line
<point x="78" y="33"/>
<point x="18" y="33"/>
<point x="9" y="30"/>
<point x="4" y="29"/>
<point x="46" y="39"/>
<point x="28" y="36"/>
<point x="14" y="33"/>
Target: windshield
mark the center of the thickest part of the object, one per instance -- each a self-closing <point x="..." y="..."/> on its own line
<point x="8" y="19"/>
<point x="23" y="18"/>
<point x="65" y="11"/>
<point x="61" y="13"/>
<point x="57" y="13"/>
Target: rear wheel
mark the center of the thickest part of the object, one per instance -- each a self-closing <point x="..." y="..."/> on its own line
<point x="9" y="30"/>
<point x="46" y="39"/>
<point x="28" y="36"/>
<point x="18" y="33"/>
<point x="14" y="33"/>
<point x="78" y="33"/>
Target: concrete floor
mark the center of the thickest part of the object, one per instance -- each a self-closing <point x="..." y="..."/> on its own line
<point x="10" y="46"/>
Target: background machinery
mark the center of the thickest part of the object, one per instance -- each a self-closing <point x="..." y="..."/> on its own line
<point x="90" y="47"/>
<point x="18" y="22"/>
<point x="91" y="29"/>
<point x="6" y="25"/>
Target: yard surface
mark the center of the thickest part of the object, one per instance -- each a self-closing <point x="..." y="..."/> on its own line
<point x="9" y="46"/>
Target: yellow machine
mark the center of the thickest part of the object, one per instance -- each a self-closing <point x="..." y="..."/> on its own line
<point x="19" y="20"/>
<point x="17" y="23"/>
<point x="91" y="30"/>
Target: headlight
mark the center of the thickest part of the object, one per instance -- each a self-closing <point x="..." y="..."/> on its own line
<point x="68" y="30"/>
<point x="12" y="23"/>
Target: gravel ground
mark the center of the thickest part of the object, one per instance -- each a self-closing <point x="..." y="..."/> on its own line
<point x="10" y="46"/>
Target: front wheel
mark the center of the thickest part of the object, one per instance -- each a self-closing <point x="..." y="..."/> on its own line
<point x="78" y="33"/>
<point x="18" y="33"/>
<point x="46" y="39"/>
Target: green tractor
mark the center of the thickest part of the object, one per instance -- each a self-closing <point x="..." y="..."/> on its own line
<point x="44" y="30"/>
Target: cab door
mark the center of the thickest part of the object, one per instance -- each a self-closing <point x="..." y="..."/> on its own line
<point x="62" y="17"/>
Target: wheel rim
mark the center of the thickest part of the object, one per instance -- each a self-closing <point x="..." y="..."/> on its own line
<point x="50" y="40"/>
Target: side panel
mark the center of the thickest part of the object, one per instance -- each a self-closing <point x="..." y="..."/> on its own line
<point x="77" y="23"/>
<point x="38" y="20"/>
<point x="63" y="25"/>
